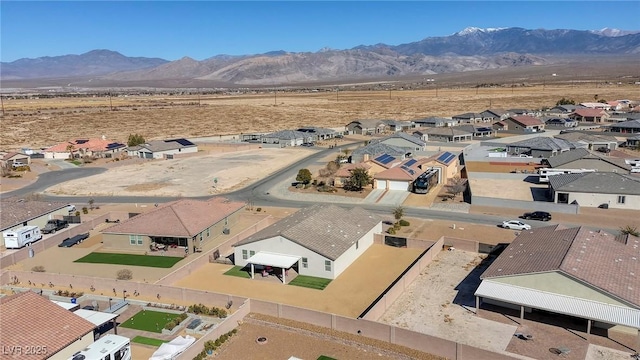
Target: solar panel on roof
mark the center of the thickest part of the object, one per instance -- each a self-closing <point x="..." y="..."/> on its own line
<point x="446" y="157"/>
<point x="114" y="145"/>
<point x="183" y="142"/>
<point x="411" y="162"/>
<point x="81" y="141"/>
<point x="384" y="159"/>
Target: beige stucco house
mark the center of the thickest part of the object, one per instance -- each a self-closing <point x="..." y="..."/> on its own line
<point x="185" y="223"/>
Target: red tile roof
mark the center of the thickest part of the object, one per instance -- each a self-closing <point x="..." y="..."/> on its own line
<point x="602" y="260"/>
<point x="31" y="321"/>
<point x="181" y="218"/>
<point x="589" y="112"/>
<point x="87" y="144"/>
<point x="526" y="120"/>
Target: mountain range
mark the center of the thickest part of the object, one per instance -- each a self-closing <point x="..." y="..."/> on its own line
<point x="467" y="50"/>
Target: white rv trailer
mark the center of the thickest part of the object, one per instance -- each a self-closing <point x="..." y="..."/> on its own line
<point x="15" y="239"/>
<point x="108" y="347"/>
<point x="545" y="173"/>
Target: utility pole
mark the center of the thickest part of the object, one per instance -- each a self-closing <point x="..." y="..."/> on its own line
<point x="110" y="103"/>
<point x="389" y="94"/>
<point x="2" y="102"/>
<point x="337" y="92"/>
<point x="198" y="97"/>
<point x="275" y="96"/>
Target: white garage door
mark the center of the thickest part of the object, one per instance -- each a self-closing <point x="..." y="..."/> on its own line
<point x="381" y="184"/>
<point x="398" y="185"/>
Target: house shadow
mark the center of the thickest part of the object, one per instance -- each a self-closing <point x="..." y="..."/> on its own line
<point x="532" y="179"/>
<point x="540" y="194"/>
<point x="467" y="287"/>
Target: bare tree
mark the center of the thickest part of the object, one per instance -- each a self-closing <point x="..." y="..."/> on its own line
<point x="456" y="186"/>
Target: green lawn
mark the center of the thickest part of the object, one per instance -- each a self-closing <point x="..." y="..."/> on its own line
<point x="237" y="271"/>
<point x="322" y="357"/>
<point x="148" y="341"/>
<point x="148" y="320"/>
<point x="310" y="282"/>
<point x="129" y="259"/>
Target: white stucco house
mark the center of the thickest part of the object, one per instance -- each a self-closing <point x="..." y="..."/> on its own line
<point x="320" y="241"/>
<point x="596" y="189"/>
<point x="161" y="149"/>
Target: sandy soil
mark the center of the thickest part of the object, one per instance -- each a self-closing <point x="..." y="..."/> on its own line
<point x="434" y="229"/>
<point x="286" y="339"/>
<point x="505" y="188"/>
<point x="440" y="300"/>
<point x="191" y="176"/>
<point x="30" y="122"/>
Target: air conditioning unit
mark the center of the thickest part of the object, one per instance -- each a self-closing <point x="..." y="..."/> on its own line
<point x="226" y="231"/>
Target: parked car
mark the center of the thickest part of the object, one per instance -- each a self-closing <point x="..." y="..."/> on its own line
<point x="515" y="225"/>
<point x="54" y="225"/>
<point x="69" y="242"/>
<point x="537" y="215"/>
<point x="309" y="144"/>
<point x="604" y="149"/>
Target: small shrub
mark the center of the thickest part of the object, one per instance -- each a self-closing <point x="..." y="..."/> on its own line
<point x="396" y="226"/>
<point x="124" y="274"/>
<point x="391" y="231"/>
<point x="258" y="209"/>
<point x="65" y="293"/>
<point x="77" y="213"/>
<point x="38" y="268"/>
<point x="85" y="210"/>
<point x="170" y="325"/>
<point x="403" y="222"/>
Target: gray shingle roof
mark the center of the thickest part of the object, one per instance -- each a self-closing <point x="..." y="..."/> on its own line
<point x="16" y="211"/>
<point x="597" y="258"/>
<point x="627" y="124"/>
<point x="164" y="145"/>
<point x="432" y="120"/>
<point x="448" y="131"/>
<point x="404" y="136"/>
<point x="468" y="115"/>
<point x="328" y="230"/>
<point x="597" y="183"/>
<point x="544" y="143"/>
<point x="287" y="135"/>
<point x="379" y="148"/>
<point x="567" y="157"/>
<point x="368" y="123"/>
<point x="586" y="137"/>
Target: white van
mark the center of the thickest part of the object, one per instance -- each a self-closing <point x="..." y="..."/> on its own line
<point x="15" y="239"/>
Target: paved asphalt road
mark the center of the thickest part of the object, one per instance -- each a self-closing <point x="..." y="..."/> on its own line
<point x="258" y="194"/>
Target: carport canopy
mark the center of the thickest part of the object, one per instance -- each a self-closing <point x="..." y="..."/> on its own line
<point x="560" y="304"/>
<point x="265" y="258"/>
<point x="97" y="318"/>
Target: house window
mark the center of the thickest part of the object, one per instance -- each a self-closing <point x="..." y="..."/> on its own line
<point x="226" y="221"/>
<point x="251" y="252"/>
<point x="244" y="255"/>
<point x="135" y="239"/>
<point x="208" y="232"/>
<point x="621" y="199"/>
<point x="200" y="236"/>
<point x="305" y="263"/>
<point x="327" y="265"/>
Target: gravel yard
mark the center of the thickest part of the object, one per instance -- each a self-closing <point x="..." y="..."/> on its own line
<point x="440" y="302"/>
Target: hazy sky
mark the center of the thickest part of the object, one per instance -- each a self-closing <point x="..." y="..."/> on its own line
<point x="202" y="29"/>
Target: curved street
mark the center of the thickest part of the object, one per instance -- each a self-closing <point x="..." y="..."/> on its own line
<point x="270" y="191"/>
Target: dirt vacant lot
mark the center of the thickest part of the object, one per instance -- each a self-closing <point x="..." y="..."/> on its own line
<point x="190" y="176"/>
<point x="37" y="122"/>
<point x="440" y="302"/>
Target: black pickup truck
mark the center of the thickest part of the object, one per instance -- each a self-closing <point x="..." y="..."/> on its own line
<point x="77" y="239"/>
<point x="54" y="225"/>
